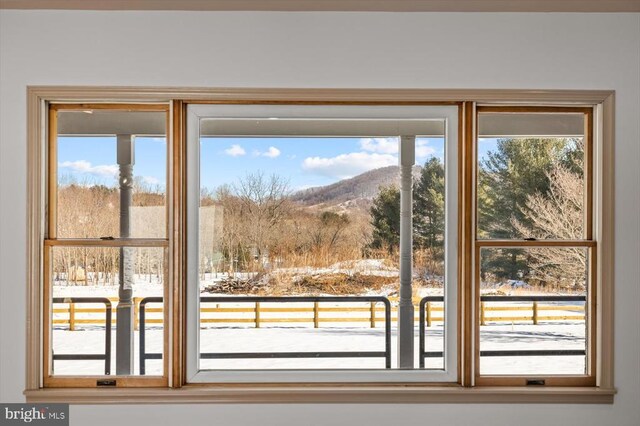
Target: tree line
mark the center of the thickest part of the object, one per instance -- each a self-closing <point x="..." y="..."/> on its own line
<point x="526" y="188"/>
<point x="89" y="210"/>
<point x="264" y="228"/>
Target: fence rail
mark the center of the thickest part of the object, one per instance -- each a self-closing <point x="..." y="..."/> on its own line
<point x="535" y="317"/>
<point x="72" y="311"/>
<point x="427" y="306"/>
<point x="107" y="332"/>
<point x="316" y="300"/>
<point x="433" y="313"/>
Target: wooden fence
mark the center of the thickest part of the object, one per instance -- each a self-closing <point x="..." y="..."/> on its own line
<point x="72" y="312"/>
<point x="258" y="314"/>
<point x="535" y="316"/>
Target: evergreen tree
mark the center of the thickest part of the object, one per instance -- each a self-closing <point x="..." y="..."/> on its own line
<point x="385" y="219"/>
<point x="428" y="207"/>
<point x="518" y="168"/>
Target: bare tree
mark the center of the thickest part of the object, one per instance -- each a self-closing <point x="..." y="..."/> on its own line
<point x="557" y="215"/>
<point x="264" y="203"/>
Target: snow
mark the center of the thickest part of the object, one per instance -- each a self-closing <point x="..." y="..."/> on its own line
<point x="284" y="338"/>
<point x="338" y="336"/>
<point x="141" y="288"/>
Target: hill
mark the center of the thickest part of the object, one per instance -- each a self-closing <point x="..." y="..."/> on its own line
<point x="353" y="193"/>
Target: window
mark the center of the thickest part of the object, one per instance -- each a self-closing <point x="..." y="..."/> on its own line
<point x="325" y="241"/>
<point x="535" y="249"/>
<point x="105" y="251"/>
<point x="268" y="240"/>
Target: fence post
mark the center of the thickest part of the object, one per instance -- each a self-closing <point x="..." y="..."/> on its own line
<point x="482" y="317"/>
<point x="257" y="314"/>
<point x="72" y="316"/>
<point x="136" y="310"/>
<point x="316" y="314"/>
<point x="535" y="313"/>
<point x="428" y="314"/>
<point x="372" y="315"/>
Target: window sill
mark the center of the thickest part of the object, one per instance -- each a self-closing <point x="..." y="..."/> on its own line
<point x="261" y="394"/>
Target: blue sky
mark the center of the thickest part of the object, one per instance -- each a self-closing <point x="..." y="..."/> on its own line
<point x="93" y="160"/>
<point x="485" y="145"/>
<point x="304" y="162"/>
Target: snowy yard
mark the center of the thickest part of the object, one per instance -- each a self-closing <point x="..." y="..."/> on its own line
<point x="342" y="338"/>
<point x="216" y="337"/>
<point x="495" y="337"/>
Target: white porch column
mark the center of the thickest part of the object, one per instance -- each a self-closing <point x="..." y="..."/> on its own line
<point x="405" y="307"/>
<point x="125" y="311"/>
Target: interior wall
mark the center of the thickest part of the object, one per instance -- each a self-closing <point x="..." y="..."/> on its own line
<point x="350" y="50"/>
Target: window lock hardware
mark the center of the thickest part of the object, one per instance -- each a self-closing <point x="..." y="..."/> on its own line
<point x="535" y="382"/>
<point x="108" y="382"/>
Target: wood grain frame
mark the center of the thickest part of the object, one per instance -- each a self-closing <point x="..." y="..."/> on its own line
<point x="178" y="245"/>
<point x="50" y="241"/>
<point x="109" y="106"/>
<point x="38" y="98"/>
<point x="588" y="379"/>
<point x="467" y="184"/>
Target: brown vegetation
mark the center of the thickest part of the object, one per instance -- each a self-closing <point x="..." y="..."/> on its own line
<point x="304" y="284"/>
<point x="87" y="210"/>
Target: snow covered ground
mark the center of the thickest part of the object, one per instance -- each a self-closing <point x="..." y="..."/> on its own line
<point x="280" y="338"/>
<point x="342" y="336"/>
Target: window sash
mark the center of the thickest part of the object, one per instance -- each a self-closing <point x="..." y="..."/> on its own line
<point x="196" y="113"/>
<point x="592" y="177"/>
<point x="590" y="312"/>
<point x="50" y="241"/>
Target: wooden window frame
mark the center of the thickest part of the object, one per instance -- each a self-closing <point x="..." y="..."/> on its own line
<point x="176" y="390"/>
<point x="588" y="242"/>
<point x="52" y="241"/>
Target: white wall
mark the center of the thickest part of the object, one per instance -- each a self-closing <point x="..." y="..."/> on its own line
<point x="413" y="50"/>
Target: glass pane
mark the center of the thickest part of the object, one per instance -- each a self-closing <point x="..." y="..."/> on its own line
<point x="89" y="168"/>
<point x="531" y="176"/>
<point x="428" y="247"/>
<point x="313" y="217"/>
<point x="85" y="283"/>
<point x="532" y="313"/>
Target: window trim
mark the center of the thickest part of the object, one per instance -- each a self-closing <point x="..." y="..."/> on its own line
<point x="38" y="96"/>
<point x="588" y="242"/>
<point x="50" y="240"/>
<point x="448" y="113"/>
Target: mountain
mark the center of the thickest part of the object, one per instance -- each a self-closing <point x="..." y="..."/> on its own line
<point x="356" y="192"/>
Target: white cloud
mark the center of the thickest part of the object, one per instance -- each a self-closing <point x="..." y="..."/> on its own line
<point x="83" y="166"/>
<point x="380" y="145"/>
<point x="235" y="151"/>
<point x="345" y="166"/>
<point x="272" y="152"/>
<point x="390" y="146"/>
<point x="424" y="150"/>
